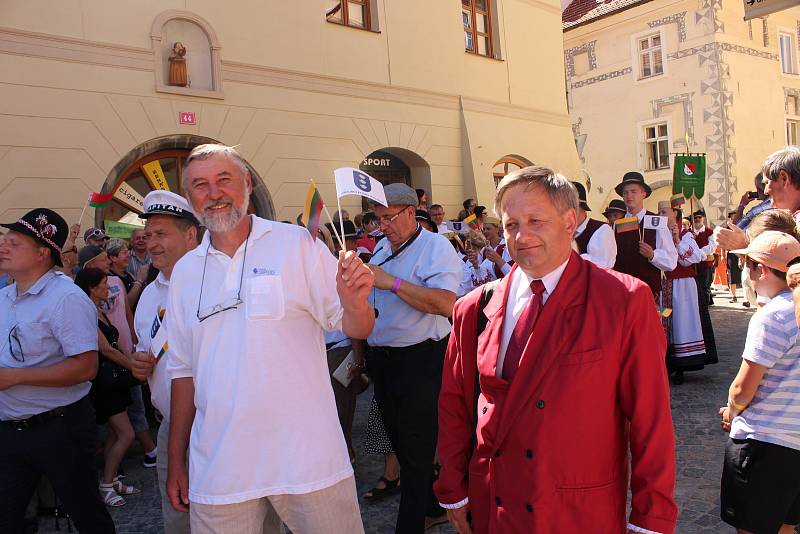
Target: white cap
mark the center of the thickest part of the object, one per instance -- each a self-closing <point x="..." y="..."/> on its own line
<point x="160" y="202"/>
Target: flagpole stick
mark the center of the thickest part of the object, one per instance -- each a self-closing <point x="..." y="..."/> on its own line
<point x="80" y="219"/>
<point x="333" y="225"/>
<point x="341" y="219"/>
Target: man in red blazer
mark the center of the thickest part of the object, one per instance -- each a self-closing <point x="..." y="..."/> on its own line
<point x="567" y="387"/>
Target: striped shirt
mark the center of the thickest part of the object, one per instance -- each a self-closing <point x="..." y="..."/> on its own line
<point x="772" y="341"/>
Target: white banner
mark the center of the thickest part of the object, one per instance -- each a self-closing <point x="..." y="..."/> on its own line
<point x="760" y="8"/>
<point x="350" y="181"/>
<point x="130" y="197"/>
<point x="654" y="222"/>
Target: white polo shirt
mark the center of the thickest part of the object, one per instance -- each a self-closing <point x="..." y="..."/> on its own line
<point x="266" y="420"/>
<point x="152" y="300"/>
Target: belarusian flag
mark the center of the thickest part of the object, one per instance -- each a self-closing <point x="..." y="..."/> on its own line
<point x="98" y="200"/>
<point x="312" y="211"/>
<point x="689" y="175"/>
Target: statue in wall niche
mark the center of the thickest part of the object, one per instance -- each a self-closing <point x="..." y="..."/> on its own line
<point x="177" y="66"/>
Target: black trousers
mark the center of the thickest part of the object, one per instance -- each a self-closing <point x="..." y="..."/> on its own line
<point x="62" y="449"/>
<point x="407" y="382"/>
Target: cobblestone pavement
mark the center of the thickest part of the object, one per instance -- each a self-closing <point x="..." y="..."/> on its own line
<point x="694" y="408"/>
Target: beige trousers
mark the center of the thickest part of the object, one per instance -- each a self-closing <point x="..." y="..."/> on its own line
<point x="332" y="510"/>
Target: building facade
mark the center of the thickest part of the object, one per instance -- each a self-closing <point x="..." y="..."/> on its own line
<point x="645" y="76"/>
<point x="111" y="96"/>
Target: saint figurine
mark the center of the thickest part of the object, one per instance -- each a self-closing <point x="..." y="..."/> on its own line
<point x="177" y="66"/>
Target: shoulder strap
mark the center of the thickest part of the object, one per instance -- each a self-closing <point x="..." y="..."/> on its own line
<point x="482" y="320"/>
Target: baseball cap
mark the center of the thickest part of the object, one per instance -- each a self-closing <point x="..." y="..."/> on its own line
<point x="87" y="254"/>
<point x="773" y="249"/>
<point x="94" y="233"/>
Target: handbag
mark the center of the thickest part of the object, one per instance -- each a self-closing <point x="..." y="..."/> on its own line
<point x="111" y="375"/>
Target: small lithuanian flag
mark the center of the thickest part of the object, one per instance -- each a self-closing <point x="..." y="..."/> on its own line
<point x="628" y="224"/>
<point x="313" y="210"/>
<point x="664" y="312"/>
<point x="472" y="221"/>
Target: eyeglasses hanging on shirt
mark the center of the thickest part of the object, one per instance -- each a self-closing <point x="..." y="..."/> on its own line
<point x="227" y="304"/>
<point x="393" y="255"/>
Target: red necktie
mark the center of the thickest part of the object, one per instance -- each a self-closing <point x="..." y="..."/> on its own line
<point x="522" y="331"/>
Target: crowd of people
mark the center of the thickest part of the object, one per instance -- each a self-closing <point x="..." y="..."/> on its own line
<point x="487" y="339"/>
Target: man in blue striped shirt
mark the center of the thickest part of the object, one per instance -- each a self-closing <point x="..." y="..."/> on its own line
<point x="761" y="472"/>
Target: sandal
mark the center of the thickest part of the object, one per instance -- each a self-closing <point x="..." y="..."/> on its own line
<point x="122" y="489"/>
<point x="110" y="496"/>
<point x="376" y="493"/>
<point x="732" y="300"/>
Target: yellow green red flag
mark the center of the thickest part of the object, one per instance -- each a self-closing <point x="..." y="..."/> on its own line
<point x="313" y="210"/>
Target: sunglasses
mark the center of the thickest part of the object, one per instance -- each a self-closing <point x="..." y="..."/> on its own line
<point x="96" y="234"/>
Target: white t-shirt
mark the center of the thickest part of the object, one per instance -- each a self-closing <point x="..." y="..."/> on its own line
<point x="772" y="341"/>
<point x="266" y="421"/>
<point x="146" y="322"/>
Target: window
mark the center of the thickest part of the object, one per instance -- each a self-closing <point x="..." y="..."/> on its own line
<point x="792" y="131"/>
<point x="650" y="57"/>
<point x="508" y="164"/>
<point x="355" y="13"/>
<point x="788" y="53"/>
<point x="476" y="18"/>
<point x="656" y="141"/>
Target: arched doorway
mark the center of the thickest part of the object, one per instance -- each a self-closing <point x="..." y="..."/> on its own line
<point x="507" y="164"/>
<point x="392" y="164"/>
<point x="158" y="164"/>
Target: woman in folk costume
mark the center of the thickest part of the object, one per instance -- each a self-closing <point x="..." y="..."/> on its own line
<point x="690" y="336"/>
<point x="477" y="269"/>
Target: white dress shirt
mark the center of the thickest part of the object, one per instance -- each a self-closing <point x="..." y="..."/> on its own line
<point x="665" y="256"/>
<point x="602" y="247"/>
<point x="266" y="421"/>
<point x="519" y="295"/>
<point x="146" y="324"/>
<point x="709" y="249"/>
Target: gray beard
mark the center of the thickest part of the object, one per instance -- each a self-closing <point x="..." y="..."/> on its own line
<point x="224" y="223"/>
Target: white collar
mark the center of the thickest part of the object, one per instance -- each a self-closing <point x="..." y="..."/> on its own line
<point x="161" y="279"/>
<point x="700" y="231"/>
<point x="550" y="281"/>
<point x="259" y="228"/>
<point x="582" y="226"/>
<point x="639" y="215"/>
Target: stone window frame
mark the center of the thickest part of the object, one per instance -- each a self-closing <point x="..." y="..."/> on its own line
<point x="587" y="48"/>
<point x="156" y="38"/>
<point x="642" y="142"/>
<point x="635" y="55"/>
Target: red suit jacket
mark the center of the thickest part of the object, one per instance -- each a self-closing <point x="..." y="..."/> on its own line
<point x="551" y="454"/>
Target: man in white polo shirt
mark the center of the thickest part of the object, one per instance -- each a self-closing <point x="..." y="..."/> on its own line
<point x="246" y="315"/>
<point x="171" y="231"/>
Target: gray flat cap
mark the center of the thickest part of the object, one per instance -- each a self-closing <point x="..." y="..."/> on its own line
<point x="398" y="194"/>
